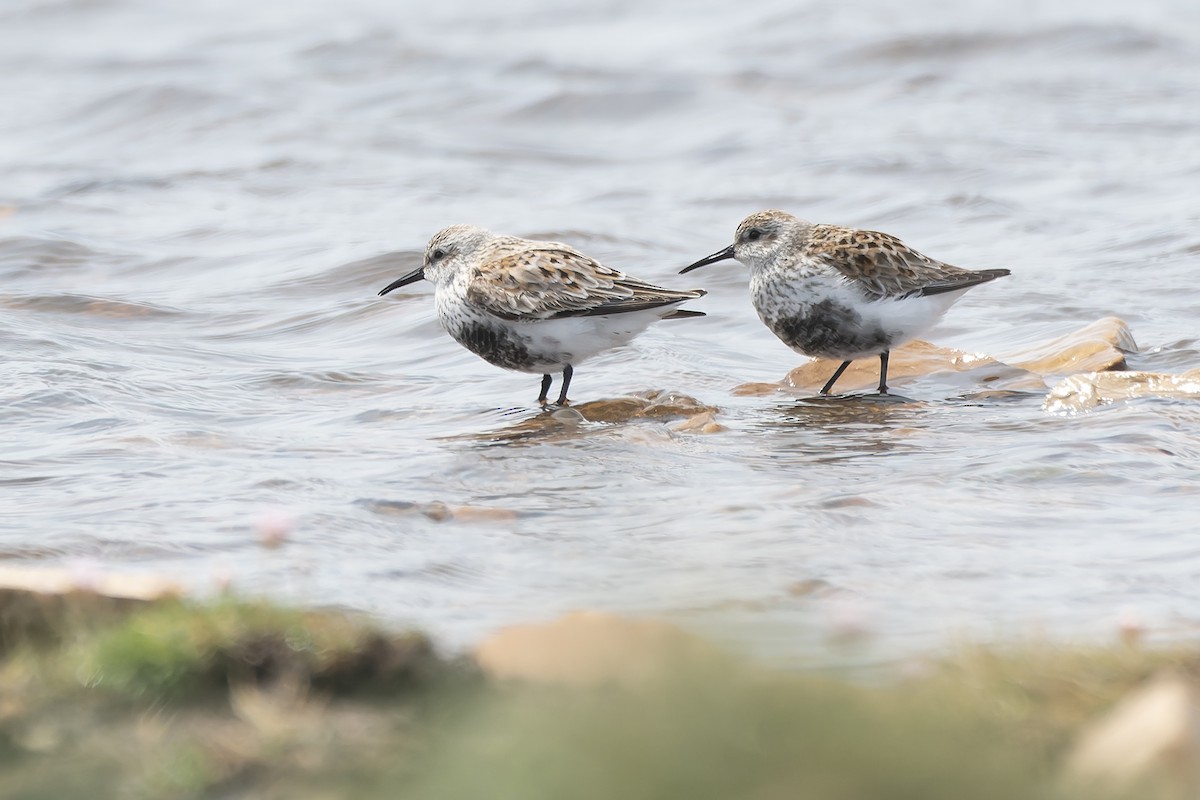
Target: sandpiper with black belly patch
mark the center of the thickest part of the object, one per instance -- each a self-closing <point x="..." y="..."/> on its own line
<point x="539" y="307"/>
<point x="841" y="293"/>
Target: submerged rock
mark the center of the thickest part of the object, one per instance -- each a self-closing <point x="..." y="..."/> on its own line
<point x="704" y="422"/>
<point x="571" y="421"/>
<point x="1150" y="738"/>
<point x="651" y="404"/>
<point x="1083" y="392"/>
<point x="439" y="511"/>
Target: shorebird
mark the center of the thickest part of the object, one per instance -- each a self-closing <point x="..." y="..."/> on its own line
<point x="538" y="307"/>
<point x="842" y="293"/>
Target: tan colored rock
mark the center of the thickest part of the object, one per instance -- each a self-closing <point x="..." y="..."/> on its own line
<point x="483" y="514"/>
<point x="699" y="423"/>
<point x="1150" y="738"/>
<point x="914" y="358"/>
<point x="652" y="404"/>
<point x="567" y="423"/>
<point x="1095" y="348"/>
<point x="590" y="648"/>
<point x="812" y="587"/>
<point x="1083" y="392"/>
<point x="441" y="512"/>
<point x="757" y="389"/>
<point x="615" y="409"/>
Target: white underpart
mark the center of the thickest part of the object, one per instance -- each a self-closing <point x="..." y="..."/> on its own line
<point x="555" y="343"/>
<point x="789" y="293"/>
<point x="571" y="340"/>
<point x="907" y="318"/>
<point x="547" y="345"/>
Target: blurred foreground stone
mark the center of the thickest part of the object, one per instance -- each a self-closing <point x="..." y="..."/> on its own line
<point x="590" y="648"/>
<point x="36" y="602"/>
<point x="1096" y="347"/>
<point x="1151" y="739"/>
<point x="1082" y="392"/>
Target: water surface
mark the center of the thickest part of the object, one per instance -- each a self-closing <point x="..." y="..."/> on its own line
<point x="201" y="202"/>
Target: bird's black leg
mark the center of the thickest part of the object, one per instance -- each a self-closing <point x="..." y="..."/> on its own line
<point x="825" y="389"/>
<point x="545" y="390"/>
<point x="566" y="384"/>
<point x="883" y="359"/>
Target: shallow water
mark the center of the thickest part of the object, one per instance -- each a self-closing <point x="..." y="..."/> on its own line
<point x="200" y="204"/>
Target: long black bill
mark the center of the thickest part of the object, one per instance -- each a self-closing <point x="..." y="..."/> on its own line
<point x="412" y="277"/>
<point x="714" y="258"/>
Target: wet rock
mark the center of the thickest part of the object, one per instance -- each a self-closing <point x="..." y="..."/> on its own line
<point x="704" y="422"/>
<point x="1095" y="348"/>
<point x="1083" y="392"/>
<point x="439" y="511"/>
<point x="567" y="416"/>
<point x="1150" y="738"/>
<point x="482" y="514"/>
<point x="812" y="587"/>
<point x="652" y="404"/>
<point x="574" y="421"/>
<point x="913" y="359"/>
<point x="589" y="648"/>
<point x="757" y="389"/>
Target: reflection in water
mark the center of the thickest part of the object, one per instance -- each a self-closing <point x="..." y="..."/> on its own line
<point x="844" y="426"/>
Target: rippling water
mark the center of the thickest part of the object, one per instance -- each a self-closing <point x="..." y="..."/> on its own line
<point x="200" y="203"/>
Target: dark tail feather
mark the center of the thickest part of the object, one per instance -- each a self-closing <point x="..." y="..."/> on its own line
<point x="683" y="313"/>
<point x="963" y="280"/>
<point x="992" y="274"/>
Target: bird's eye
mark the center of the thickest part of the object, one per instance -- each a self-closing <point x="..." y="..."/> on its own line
<point x="438" y="254"/>
<point x="753" y="235"/>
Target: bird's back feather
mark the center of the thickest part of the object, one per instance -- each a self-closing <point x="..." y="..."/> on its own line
<point x="882" y="266"/>
<point x="554" y="281"/>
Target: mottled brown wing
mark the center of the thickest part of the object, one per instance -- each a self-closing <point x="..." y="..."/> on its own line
<point x="555" y="282"/>
<point x="882" y="266"/>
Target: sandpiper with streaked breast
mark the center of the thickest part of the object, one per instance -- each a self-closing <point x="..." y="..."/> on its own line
<point x="842" y="293"/>
<point x="538" y="307"/>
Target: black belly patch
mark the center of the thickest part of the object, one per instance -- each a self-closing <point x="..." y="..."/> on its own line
<point x="495" y="345"/>
<point x="830" y="330"/>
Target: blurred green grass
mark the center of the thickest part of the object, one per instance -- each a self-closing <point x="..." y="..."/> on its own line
<point x="246" y="699"/>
